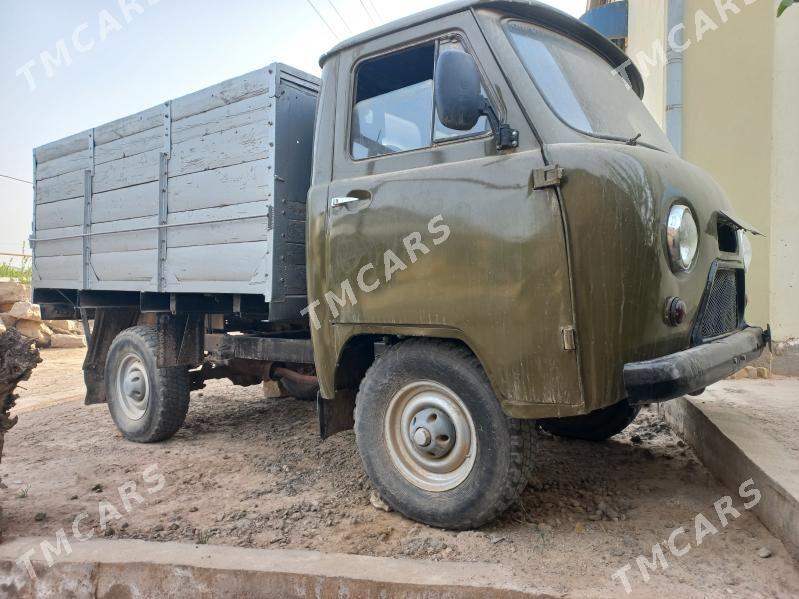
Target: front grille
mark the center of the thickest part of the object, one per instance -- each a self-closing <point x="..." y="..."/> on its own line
<point x="721" y="311"/>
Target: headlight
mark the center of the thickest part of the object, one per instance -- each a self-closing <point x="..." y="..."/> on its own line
<point x="682" y="236"/>
<point x="746" y="249"/>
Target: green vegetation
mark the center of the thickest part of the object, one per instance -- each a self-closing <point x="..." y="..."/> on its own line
<point x="784" y="6"/>
<point x="16" y="267"/>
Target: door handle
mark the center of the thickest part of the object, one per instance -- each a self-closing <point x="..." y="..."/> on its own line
<point x="354" y="196"/>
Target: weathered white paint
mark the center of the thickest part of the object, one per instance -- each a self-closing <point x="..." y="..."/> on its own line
<point x="220" y="185"/>
<point x="238" y="184"/>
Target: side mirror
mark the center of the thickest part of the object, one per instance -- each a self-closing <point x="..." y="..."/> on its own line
<point x="458" y="98"/>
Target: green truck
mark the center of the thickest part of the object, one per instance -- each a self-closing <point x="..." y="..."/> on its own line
<point x="470" y="227"/>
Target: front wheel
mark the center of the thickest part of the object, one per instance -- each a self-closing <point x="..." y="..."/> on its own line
<point x="147" y="403"/>
<point x="434" y="440"/>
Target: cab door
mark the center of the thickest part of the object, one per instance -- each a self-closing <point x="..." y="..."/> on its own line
<point x="437" y="229"/>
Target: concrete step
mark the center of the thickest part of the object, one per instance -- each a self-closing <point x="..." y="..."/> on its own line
<point x="746" y="429"/>
<point x="131" y="568"/>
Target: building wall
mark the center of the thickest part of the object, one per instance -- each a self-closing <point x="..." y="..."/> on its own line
<point x="727" y="128"/>
<point x="785" y="179"/>
<point x="646" y="32"/>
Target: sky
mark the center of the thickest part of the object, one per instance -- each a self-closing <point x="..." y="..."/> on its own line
<point x="127" y="55"/>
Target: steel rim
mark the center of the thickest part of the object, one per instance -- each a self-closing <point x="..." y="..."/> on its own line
<point x="133" y="387"/>
<point x="430" y="436"/>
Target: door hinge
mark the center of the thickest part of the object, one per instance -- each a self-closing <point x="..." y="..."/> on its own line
<point x="549" y="176"/>
<point x="569" y="341"/>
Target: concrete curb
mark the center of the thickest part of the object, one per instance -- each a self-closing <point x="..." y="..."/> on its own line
<point x="734" y="450"/>
<point x="130" y="568"/>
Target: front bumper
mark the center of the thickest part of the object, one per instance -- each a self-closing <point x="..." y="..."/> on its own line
<point x="693" y="369"/>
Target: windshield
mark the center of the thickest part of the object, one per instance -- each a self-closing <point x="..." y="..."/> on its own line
<point x="581" y="88"/>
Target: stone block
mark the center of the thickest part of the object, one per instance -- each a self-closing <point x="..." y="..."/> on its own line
<point x="59" y="340"/>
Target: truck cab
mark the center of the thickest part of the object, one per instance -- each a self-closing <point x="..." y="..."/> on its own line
<point x="495" y="237"/>
<point x="489" y="189"/>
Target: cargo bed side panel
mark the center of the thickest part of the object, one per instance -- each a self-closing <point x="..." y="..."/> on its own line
<point x="180" y="197"/>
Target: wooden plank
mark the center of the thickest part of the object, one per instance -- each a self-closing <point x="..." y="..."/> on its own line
<point x="60" y="247"/>
<point x="129" y="125"/>
<point x="124" y="203"/>
<point x="64" y="213"/>
<point x="238" y="184"/>
<point x="227" y="92"/>
<point x="62" y="147"/>
<point x="230" y="116"/>
<point x="143" y="141"/>
<point x="124" y="242"/>
<point x="125" y="266"/>
<point x="73" y="231"/>
<point x="218" y="233"/>
<point x="60" y="268"/>
<point x="64" y="164"/>
<point x="141" y="168"/>
<point x="60" y="187"/>
<point x="217" y="225"/>
<point x="221" y="149"/>
<point x="240" y="262"/>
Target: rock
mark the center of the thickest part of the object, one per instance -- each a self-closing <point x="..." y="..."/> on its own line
<point x="97" y="488"/>
<point x="8" y="320"/>
<point x="271" y="390"/>
<point x="2" y="327"/>
<point x="741" y="374"/>
<point x="40" y="516"/>
<point x="67" y="327"/>
<point x="6" y="306"/>
<point x="751" y="372"/>
<point x="764" y="552"/>
<point x="762" y="372"/>
<point x="38" y="331"/>
<point x="60" y="340"/>
<point x="378" y="502"/>
<point x="11" y="292"/>
<point x="25" y="311"/>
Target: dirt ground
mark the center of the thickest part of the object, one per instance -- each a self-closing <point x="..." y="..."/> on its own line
<point x="253" y="472"/>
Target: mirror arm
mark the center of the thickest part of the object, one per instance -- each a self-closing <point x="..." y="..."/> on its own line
<point x="505" y="136"/>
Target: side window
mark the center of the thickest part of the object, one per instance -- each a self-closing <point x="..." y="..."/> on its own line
<point x="393" y="109"/>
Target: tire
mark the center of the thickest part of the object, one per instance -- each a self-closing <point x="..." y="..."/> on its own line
<point x="147" y="403"/>
<point x="595" y="426"/>
<point x="403" y="384"/>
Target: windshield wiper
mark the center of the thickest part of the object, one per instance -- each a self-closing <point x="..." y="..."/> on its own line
<point x="633" y="141"/>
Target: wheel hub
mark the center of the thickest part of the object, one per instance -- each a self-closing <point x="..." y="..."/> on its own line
<point x="433" y="432"/>
<point x="430" y="436"/>
<point x="133" y="387"/>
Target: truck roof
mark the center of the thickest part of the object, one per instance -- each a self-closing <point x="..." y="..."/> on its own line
<point x="537" y="12"/>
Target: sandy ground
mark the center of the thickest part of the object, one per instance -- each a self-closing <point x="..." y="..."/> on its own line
<point x="253" y="472"/>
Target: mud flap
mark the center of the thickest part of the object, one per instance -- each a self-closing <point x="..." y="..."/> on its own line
<point x="336" y="415"/>
<point x="108" y="323"/>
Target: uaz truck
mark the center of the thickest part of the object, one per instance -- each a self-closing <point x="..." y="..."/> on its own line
<point x="470" y="227"/>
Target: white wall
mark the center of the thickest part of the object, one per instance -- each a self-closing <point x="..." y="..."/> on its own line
<point x="784" y="296"/>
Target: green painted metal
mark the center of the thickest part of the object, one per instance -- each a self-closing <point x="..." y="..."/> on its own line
<point x="519" y="264"/>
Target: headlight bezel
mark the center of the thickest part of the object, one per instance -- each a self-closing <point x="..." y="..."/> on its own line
<point x="681" y="228"/>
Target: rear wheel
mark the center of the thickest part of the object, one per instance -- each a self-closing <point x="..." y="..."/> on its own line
<point x="596" y="426"/>
<point x="433" y="437"/>
<point x="147" y="403"/>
